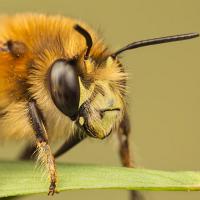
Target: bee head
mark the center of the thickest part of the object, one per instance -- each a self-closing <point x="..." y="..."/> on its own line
<point x="90" y="93"/>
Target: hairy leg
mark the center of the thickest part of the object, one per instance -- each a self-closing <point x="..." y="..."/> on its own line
<point x="43" y="148"/>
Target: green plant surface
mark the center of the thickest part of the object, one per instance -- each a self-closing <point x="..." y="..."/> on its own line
<point x="24" y="178"/>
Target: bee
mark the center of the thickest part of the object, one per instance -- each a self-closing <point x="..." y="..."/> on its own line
<point x="59" y="79"/>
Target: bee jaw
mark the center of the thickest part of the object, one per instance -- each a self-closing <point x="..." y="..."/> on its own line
<point x="95" y="123"/>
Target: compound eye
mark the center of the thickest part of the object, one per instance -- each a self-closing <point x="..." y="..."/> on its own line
<point x="64" y="87"/>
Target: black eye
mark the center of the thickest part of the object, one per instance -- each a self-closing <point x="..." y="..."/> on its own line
<point x="64" y="87"/>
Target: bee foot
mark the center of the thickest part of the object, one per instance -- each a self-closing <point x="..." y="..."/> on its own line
<point x="52" y="189"/>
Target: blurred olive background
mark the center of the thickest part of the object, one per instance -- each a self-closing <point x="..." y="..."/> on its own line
<point x="164" y="86"/>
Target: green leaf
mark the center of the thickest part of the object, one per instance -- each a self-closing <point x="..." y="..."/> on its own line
<point x="23" y="178"/>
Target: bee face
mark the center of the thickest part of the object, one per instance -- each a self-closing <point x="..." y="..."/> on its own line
<point x="102" y="109"/>
<point x="88" y="94"/>
<point x="89" y="91"/>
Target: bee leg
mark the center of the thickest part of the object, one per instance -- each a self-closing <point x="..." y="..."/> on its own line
<point x="44" y="150"/>
<point x="123" y="136"/>
<point x="124" y="150"/>
<point x="75" y="139"/>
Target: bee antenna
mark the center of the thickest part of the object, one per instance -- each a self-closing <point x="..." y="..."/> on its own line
<point x="87" y="37"/>
<point x="154" y="41"/>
